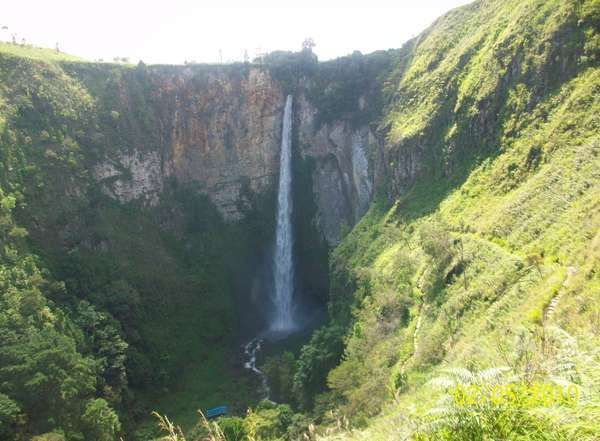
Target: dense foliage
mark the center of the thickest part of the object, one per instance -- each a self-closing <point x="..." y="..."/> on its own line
<point x="488" y="255"/>
<point x="476" y="265"/>
<point x="107" y="308"/>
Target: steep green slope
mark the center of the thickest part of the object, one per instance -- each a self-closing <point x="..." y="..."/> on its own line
<point x="488" y="254"/>
<point x="134" y="298"/>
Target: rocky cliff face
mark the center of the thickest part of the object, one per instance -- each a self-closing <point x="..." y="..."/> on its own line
<point x="219" y="129"/>
<point x="216" y="129"/>
<point x="343" y="174"/>
<point x="222" y="133"/>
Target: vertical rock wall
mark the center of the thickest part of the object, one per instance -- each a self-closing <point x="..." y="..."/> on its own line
<point x="219" y="129"/>
<point x="343" y="176"/>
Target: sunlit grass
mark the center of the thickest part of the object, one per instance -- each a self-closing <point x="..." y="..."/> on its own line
<point x="38" y="53"/>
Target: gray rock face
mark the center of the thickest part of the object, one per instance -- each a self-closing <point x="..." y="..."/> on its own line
<point x="332" y="202"/>
<point x="403" y="164"/>
<point x="132" y="176"/>
<point x="343" y="179"/>
<point x="361" y="176"/>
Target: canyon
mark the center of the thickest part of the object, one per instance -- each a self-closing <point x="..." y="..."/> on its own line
<point x="444" y="229"/>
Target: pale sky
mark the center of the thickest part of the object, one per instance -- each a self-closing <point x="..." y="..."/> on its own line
<point x="171" y="31"/>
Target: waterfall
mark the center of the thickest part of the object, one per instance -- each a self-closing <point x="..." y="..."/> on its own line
<point x="283" y="265"/>
<point x="282" y="321"/>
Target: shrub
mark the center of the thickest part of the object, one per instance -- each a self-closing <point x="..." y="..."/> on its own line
<point x="233" y="428"/>
<point x="268" y="422"/>
<point x="101" y="423"/>
<point x="9" y="411"/>
<point x="280" y="372"/>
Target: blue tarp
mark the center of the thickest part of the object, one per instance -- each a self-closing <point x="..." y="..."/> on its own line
<point x="216" y="411"/>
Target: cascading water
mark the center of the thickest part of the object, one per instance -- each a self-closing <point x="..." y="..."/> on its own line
<point x="251" y="349"/>
<point x="282" y="321"/>
<point x="283" y="265"/>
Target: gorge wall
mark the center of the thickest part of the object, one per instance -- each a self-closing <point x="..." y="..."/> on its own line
<point x="218" y="129"/>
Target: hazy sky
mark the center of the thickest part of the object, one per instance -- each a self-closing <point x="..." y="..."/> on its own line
<point x="171" y="31"/>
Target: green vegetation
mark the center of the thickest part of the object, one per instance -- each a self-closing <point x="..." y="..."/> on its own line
<point x="348" y="88"/>
<point x="37" y="53"/>
<point x="338" y="87"/>
<point x="476" y="266"/>
<point x="50" y="367"/>
<point x="268" y="421"/>
<point x="110" y="310"/>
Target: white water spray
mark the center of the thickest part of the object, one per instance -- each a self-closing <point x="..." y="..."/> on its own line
<point x="251" y="349"/>
<point x="283" y="265"/>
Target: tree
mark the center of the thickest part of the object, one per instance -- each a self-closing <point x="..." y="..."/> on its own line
<point x="316" y="359"/>
<point x="280" y="371"/>
<point x="269" y="421"/>
<point x="108" y="347"/>
<point x="45" y="375"/>
<point x="100" y="422"/>
<point x="458" y="243"/>
<point x="44" y="378"/>
<point x="308" y="44"/>
<point x="9" y="411"/>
